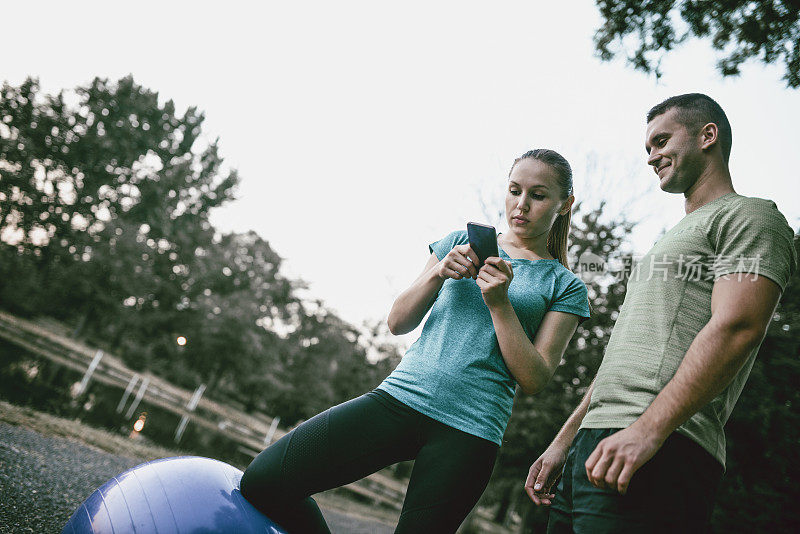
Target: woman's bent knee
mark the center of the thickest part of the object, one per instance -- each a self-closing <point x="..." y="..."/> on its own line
<point x="262" y="480"/>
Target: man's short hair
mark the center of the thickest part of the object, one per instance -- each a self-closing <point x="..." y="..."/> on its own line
<point x="695" y="110"/>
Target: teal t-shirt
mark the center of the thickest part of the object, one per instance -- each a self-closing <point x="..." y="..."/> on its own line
<point x="454" y="373"/>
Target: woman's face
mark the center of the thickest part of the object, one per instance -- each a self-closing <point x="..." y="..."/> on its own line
<point x="533" y="199"/>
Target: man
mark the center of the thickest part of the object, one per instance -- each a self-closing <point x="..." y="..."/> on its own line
<point x="645" y="449"/>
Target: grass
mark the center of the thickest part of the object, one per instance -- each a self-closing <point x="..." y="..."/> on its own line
<point x="74" y="430"/>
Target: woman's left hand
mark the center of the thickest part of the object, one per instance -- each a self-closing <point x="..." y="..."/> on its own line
<point x="493" y="279"/>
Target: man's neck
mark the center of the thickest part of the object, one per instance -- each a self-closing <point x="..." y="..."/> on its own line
<point x="711" y="185"/>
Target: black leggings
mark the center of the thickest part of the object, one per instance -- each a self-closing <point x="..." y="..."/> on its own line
<point x="361" y="436"/>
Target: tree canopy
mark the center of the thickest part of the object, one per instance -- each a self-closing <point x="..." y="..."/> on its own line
<point x="740" y="29"/>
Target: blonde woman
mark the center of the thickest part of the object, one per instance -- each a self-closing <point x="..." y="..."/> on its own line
<point x="446" y="405"/>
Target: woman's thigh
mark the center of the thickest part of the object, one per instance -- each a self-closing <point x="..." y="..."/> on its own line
<point x="450" y="473"/>
<point x="339" y="446"/>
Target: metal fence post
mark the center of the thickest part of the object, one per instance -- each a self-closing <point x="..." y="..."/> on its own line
<point x="88" y="374"/>
<point x="138" y="399"/>
<point x="272" y="428"/>
<point x="128" y="390"/>
<point x="191" y="405"/>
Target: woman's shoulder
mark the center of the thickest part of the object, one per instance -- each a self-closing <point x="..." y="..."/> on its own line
<point x="460" y="235"/>
<point x="456" y="237"/>
<point x="567" y="277"/>
<point x="446" y="243"/>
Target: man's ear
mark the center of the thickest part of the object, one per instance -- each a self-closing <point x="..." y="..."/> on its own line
<point x="709" y="135"/>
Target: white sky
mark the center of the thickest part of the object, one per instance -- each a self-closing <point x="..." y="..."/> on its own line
<point x="363" y="131"/>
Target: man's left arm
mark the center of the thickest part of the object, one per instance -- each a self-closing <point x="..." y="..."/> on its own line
<point x="741" y="309"/>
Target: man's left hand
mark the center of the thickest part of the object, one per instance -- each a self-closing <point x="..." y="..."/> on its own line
<point x="619" y="456"/>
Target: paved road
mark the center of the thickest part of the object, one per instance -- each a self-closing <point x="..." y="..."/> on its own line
<point x="43" y="479"/>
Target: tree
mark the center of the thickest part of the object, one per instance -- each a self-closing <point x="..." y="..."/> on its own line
<point x="84" y="170"/>
<point x="740" y="29"/>
<point x="327" y="362"/>
<point x="116" y="152"/>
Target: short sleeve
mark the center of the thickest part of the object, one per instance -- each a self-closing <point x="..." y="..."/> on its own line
<point x="446" y="244"/>
<point x="755" y="238"/>
<point x="573" y="298"/>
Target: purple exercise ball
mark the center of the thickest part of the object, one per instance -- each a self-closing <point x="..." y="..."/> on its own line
<point x="186" y="495"/>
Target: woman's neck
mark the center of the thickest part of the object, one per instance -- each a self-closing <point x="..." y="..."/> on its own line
<point x="534" y="247"/>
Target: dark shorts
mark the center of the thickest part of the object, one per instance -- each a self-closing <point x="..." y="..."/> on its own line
<point x="673" y="492"/>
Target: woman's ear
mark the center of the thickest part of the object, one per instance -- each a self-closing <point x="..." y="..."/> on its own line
<point x="567" y="205"/>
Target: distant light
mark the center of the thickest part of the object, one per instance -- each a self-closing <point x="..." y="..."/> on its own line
<point x="181" y="341"/>
<point x="138" y="425"/>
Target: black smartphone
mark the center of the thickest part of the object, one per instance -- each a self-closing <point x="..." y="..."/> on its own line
<point x="482" y="240"/>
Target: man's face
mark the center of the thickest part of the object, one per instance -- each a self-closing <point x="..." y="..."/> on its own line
<point x="674" y="152"/>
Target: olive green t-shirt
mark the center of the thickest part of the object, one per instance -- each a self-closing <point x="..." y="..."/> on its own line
<point x="668" y="301"/>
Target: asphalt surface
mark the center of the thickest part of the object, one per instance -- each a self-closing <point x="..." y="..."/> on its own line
<point x="43" y="479"/>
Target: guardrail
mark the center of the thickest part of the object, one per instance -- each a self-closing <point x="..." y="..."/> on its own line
<point x="251" y="432"/>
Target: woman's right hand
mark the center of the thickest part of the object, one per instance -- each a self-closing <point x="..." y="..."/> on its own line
<point x="460" y="262"/>
<point x="544" y="473"/>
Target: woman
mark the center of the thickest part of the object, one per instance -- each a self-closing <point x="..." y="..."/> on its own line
<point x="447" y="403"/>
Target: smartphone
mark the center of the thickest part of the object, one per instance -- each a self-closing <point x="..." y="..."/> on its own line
<point x="482" y="240"/>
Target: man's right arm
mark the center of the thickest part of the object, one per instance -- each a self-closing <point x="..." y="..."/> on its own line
<point x="548" y="467"/>
<point x="570" y="428"/>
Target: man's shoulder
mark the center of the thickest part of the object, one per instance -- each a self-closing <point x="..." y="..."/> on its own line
<point x="754" y="228"/>
<point x="739" y="209"/>
<point x="755" y="203"/>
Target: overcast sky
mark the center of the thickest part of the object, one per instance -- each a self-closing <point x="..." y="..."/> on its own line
<point x="363" y="131"/>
